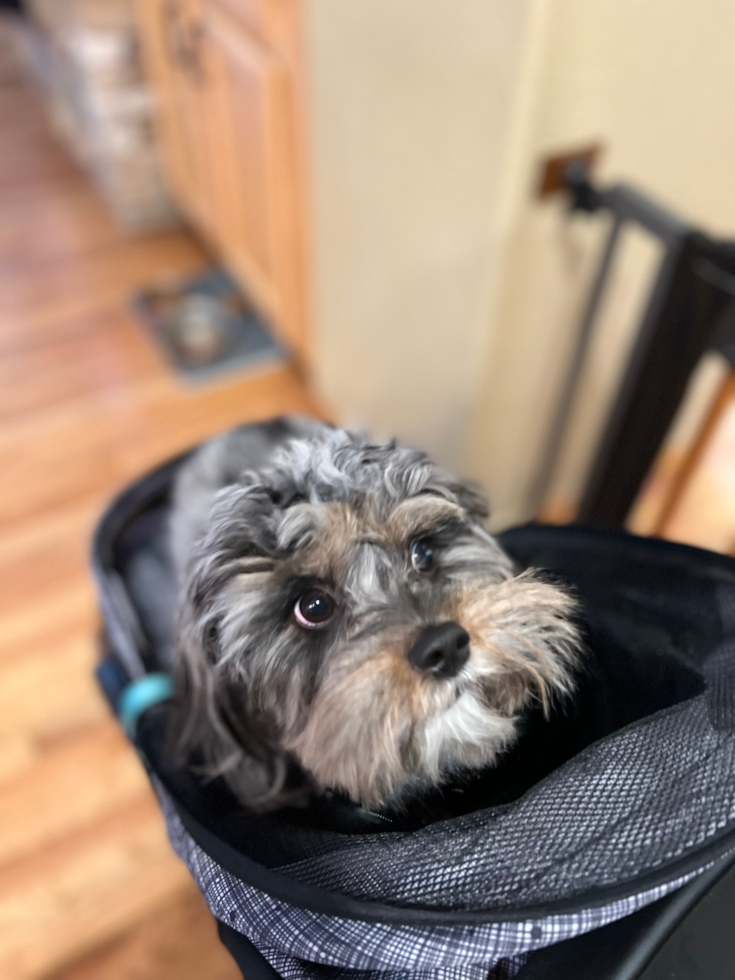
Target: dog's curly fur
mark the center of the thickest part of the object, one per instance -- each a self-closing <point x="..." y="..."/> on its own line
<point x="263" y="515"/>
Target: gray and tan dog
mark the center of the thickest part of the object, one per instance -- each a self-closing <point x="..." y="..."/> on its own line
<point x="346" y="621"/>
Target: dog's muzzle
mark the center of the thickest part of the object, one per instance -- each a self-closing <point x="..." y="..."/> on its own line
<point x="441" y="650"/>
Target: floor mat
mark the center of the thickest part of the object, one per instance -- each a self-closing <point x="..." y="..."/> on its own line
<point x="206" y="326"/>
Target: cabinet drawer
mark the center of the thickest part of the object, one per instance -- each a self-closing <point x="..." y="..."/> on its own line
<point x="271" y="20"/>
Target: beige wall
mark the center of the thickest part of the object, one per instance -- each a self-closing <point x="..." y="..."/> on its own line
<point x="446" y="297"/>
<point x="411" y="116"/>
<point x="655" y="83"/>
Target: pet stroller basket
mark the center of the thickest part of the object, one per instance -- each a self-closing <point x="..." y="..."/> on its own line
<point x="646" y="812"/>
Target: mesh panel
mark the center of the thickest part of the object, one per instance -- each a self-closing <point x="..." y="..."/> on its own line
<point x="303" y="945"/>
<point x="629" y="804"/>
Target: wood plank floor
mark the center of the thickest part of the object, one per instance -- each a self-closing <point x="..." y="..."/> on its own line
<point x="89" y="887"/>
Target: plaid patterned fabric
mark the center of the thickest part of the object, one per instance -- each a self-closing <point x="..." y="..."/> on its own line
<point x="304" y="945"/>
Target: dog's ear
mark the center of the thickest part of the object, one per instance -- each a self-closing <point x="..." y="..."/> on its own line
<point x="211" y="732"/>
<point x="472" y="500"/>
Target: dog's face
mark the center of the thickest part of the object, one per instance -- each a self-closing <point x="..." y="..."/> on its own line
<point x="348" y="610"/>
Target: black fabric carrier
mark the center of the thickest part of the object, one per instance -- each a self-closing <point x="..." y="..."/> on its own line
<point x="631" y="818"/>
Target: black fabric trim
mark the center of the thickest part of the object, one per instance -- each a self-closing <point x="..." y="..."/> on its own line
<point x="312" y="899"/>
<point x="251" y="962"/>
<point x="126" y="644"/>
<point x="583" y="535"/>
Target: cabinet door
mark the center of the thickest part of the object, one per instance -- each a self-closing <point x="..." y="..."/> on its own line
<point x="172" y="40"/>
<point x="252" y="146"/>
<point x="270" y="20"/>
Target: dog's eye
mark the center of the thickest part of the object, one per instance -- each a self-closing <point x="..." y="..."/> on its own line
<point x="422" y="556"/>
<point x="314" y="609"/>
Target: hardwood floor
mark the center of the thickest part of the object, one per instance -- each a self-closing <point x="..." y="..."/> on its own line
<point x="89" y="887"/>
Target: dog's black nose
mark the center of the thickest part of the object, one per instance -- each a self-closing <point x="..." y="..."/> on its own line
<point x="442" y="650"/>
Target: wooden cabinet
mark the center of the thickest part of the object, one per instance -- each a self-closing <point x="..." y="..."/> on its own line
<point x="226" y="80"/>
<point x="272" y="21"/>
<point x="170" y="29"/>
<point x="255" y="166"/>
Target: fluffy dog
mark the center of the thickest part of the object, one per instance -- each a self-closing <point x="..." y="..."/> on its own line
<point x="346" y="622"/>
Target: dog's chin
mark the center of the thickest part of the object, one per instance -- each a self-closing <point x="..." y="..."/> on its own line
<point x="468" y="734"/>
<point x="462" y="730"/>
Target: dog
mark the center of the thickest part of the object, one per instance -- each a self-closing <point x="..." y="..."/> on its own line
<point x="347" y="625"/>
